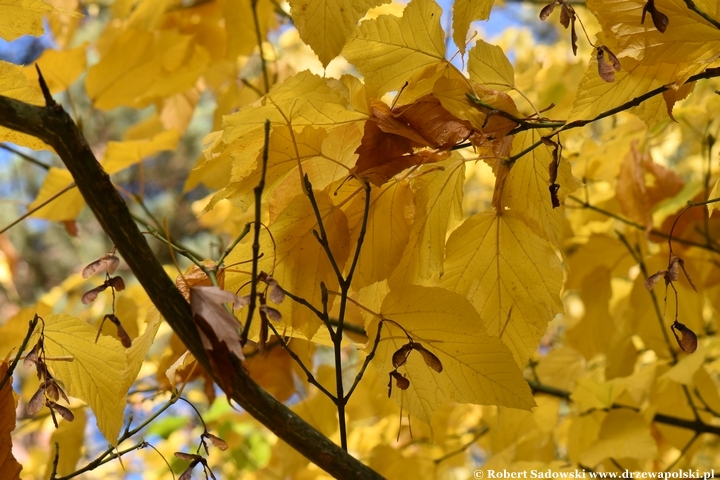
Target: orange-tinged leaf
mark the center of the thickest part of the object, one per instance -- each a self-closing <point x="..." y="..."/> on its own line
<point x="438" y="127"/>
<point x="714" y="193"/>
<point x="325" y="25"/>
<point x="8" y="403"/>
<point x="464" y="13"/>
<point x="65" y="207"/>
<point x="510" y="274"/>
<point x="476" y="369"/>
<point x="389" y="51"/>
<point x="488" y="65"/>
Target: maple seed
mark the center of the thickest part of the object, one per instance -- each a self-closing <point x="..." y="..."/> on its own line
<point x="400" y="356"/>
<point x="402" y="382"/>
<point x="607" y="70"/>
<point x="431" y="360"/>
<point x="547" y="10"/>
<point x="108" y="262"/>
<point x="36" y="402"/>
<point x="660" y="20"/>
<point x="688" y="342"/>
<point x="217" y="441"/>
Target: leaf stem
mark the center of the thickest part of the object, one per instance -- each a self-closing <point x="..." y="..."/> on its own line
<point x="38" y="207"/>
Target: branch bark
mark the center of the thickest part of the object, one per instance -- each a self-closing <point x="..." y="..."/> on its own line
<point x="55" y="127"/>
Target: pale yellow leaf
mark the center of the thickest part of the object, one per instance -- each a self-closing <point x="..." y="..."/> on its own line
<point x="510" y="274"/>
<point x="22" y="17"/>
<point x="135" y="355"/>
<point x="96" y="374"/>
<point x="714" y="193"/>
<point x="14" y="84"/>
<point x="438" y="198"/>
<point x="388" y="228"/>
<point x="589" y="394"/>
<point x="683" y="371"/>
<point x="300" y="263"/>
<point x="526" y="189"/>
<point x="60" y="68"/>
<point x="623" y="434"/>
<point x="464" y="13"/>
<point x="325" y="25"/>
<point x="488" y="65"/>
<point x="240" y="25"/>
<point x="583" y="434"/>
<point x="183" y="361"/>
<point x="121" y="155"/>
<point x="65" y="207"/>
<point x="477" y="368"/>
<point x="389" y="51"/>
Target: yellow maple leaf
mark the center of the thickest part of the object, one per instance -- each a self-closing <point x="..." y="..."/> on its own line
<point x="325" y="25"/>
<point x="438" y="197"/>
<point x="464" y="13"/>
<point x="300" y="263"/>
<point x="388" y="229"/>
<point x="590" y="394"/>
<point x="65" y="207"/>
<point x="96" y="374"/>
<point x="60" y="68"/>
<point x="510" y="274"/>
<point x="526" y="188"/>
<point x="135" y="355"/>
<point x="623" y="434"/>
<point x="14" y="84"/>
<point x="8" y="404"/>
<point x="488" y="65"/>
<point x="476" y="368"/>
<point x="22" y="17"/>
<point x="389" y="51"/>
<point x="121" y="155"/>
<point x="138" y="67"/>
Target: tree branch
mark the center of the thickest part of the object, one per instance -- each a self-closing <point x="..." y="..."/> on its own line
<point x="55" y="127"/>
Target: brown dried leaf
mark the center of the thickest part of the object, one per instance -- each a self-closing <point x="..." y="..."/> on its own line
<point x="400" y="356"/>
<point x="195" y="277"/>
<point x="214" y="320"/>
<point x="653" y="279"/>
<point x="217" y="441"/>
<point x="107" y="262"/>
<point x="437" y="126"/>
<point x="431" y="360"/>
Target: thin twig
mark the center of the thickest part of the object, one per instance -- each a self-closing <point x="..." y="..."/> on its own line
<point x="38" y="207"/>
<point x="31" y="328"/>
<point x="256" y="240"/>
<point x="259" y="37"/>
<point x="24" y="156"/>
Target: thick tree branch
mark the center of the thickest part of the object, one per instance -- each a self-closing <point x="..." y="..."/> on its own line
<point x="55" y="127"/>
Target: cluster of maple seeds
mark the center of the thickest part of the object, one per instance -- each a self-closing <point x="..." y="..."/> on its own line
<point x="108" y="263"/>
<point x="400" y="357"/>
<point x="49" y="391"/>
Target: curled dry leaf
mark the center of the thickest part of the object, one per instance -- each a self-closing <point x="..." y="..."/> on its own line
<point x="217" y="441"/>
<point x="431" y="360"/>
<point x="212" y="318"/>
<point x="400" y="356"/>
<point x="107" y="262"/>
<point x="688" y="340"/>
